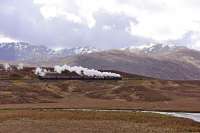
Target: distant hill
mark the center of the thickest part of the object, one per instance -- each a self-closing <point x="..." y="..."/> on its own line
<point x="158" y="61"/>
<point x="22" y="51"/>
<point x="164" y="61"/>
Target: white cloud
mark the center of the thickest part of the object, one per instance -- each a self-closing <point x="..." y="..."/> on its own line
<point x="196" y="45"/>
<point x="67" y="20"/>
<point x="195" y="41"/>
<point x="171" y="22"/>
<point x="157" y="19"/>
<point x="6" y="39"/>
<point x="51" y="9"/>
<point x="106" y="27"/>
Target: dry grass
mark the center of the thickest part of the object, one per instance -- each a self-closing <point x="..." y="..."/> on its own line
<point x="131" y="93"/>
<point x="92" y="122"/>
<point x="135" y="93"/>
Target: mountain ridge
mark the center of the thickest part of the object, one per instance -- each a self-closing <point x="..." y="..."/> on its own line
<point x="23" y="51"/>
<point x="158" y="60"/>
<point x="179" y="63"/>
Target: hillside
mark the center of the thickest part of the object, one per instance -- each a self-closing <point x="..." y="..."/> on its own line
<point x="32" y="105"/>
<point x="23" y="51"/>
<point x="162" y="61"/>
<point x="133" y="92"/>
<point x="157" y="66"/>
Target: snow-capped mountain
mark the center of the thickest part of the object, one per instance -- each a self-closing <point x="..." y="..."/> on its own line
<point x="22" y="51"/>
<point x="76" y="51"/>
<point x="154" y="48"/>
<point x="25" y="51"/>
<point x="155" y="60"/>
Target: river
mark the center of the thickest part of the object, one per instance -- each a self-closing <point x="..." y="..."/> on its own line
<point x="193" y="116"/>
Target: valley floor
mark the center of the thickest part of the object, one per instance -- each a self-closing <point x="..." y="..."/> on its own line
<point x="155" y="95"/>
<point x="51" y="121"/>
<point x="35" y="106"/>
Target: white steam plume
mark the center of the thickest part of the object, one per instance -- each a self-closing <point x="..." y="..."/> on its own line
<point x="20" y="66"/>
<point x="41" y="72"/>
<point x="7" y="66"/>
<point x="84" y="71"/>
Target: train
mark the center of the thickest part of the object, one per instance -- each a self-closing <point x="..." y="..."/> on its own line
<point x="73" y="76"/>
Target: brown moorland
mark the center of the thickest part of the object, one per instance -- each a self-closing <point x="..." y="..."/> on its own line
<point x="51" y="121"/>
<point x="132" y="92"/>
<point x="32" y="105"/>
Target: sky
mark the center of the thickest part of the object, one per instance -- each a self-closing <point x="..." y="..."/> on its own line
<point x="102" y="24"/>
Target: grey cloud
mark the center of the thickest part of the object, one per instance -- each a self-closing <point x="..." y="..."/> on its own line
<point x="23" y="21"/>
<point x="185" y="40"/>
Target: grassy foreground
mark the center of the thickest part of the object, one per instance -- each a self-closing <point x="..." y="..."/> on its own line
<point x="57" y="121"/>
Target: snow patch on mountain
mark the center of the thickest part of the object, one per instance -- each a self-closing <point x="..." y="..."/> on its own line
<point x="25" y="51"/>
<point x="77" y="51"/>
<point x="153" y="48"/>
